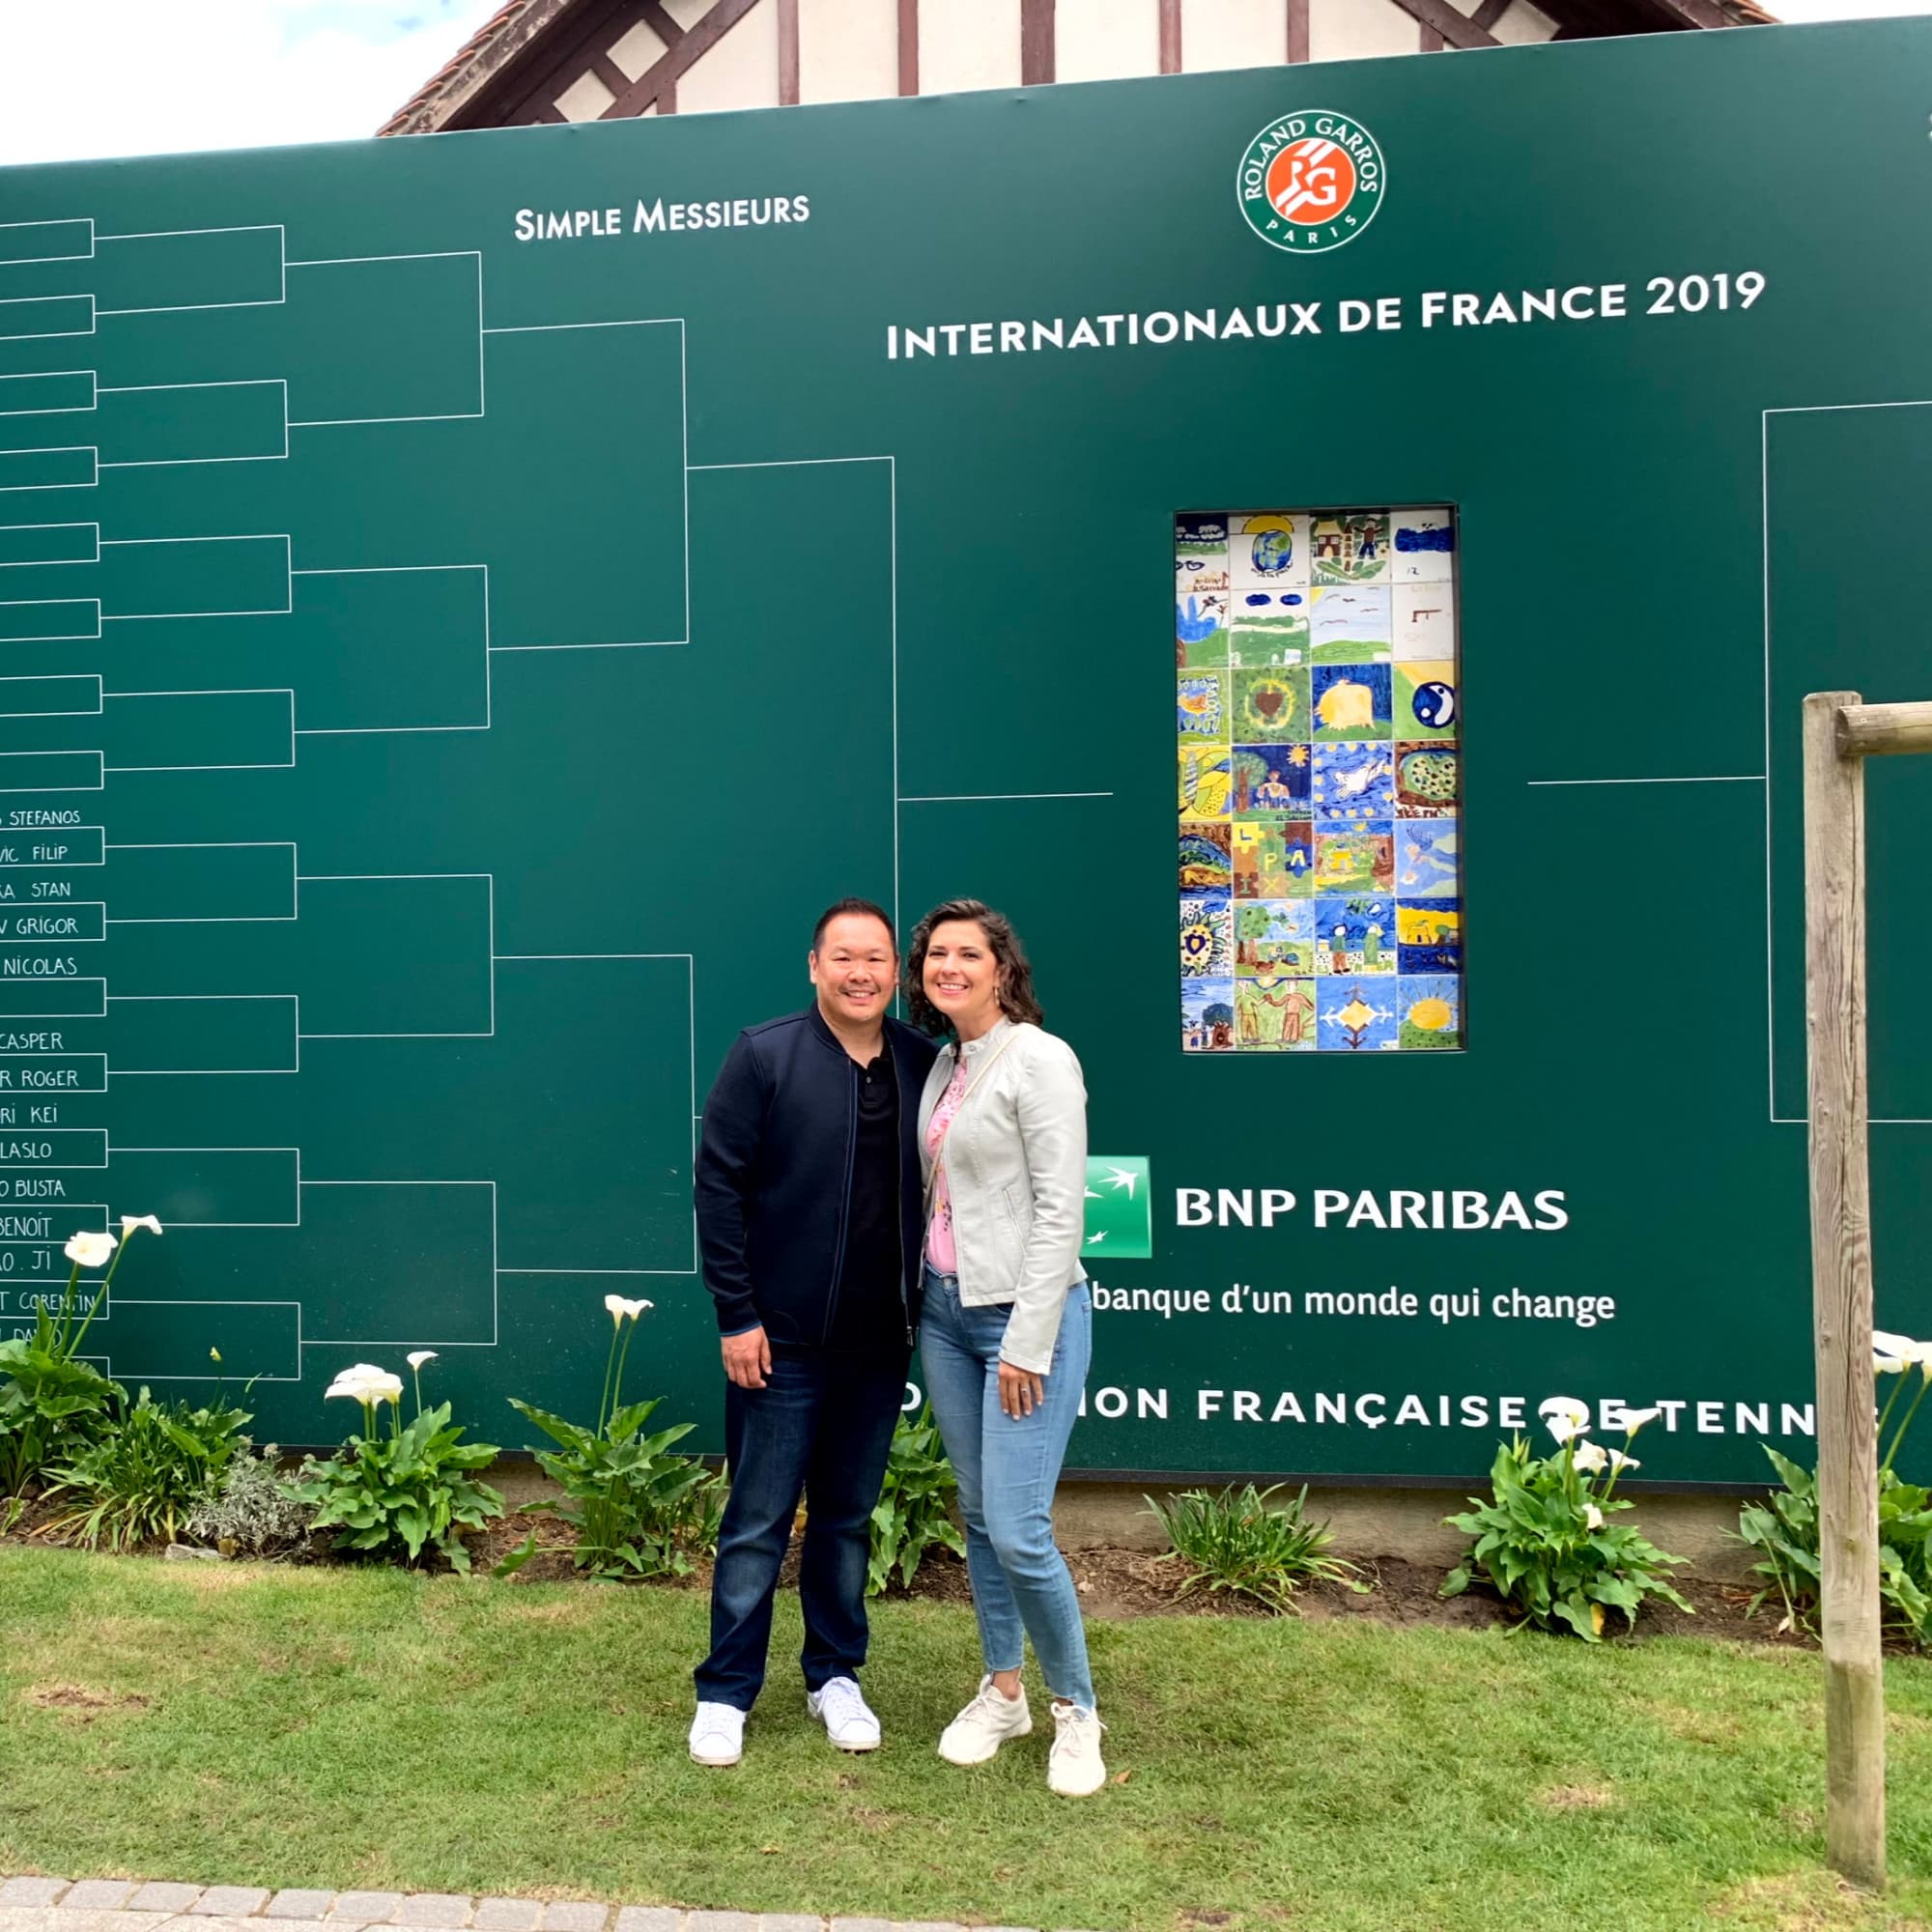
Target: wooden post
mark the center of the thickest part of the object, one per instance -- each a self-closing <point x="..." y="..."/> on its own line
<point x="1841" y="1290"/>
<point x="1877" y="731"/>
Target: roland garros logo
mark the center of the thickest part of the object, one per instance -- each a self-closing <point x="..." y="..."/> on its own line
<point x="1311" y="180"/>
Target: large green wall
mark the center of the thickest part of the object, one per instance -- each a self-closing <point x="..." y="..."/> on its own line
<point x="608" y="605"/>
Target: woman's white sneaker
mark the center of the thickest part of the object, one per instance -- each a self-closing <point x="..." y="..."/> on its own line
<point x="984" y="1725"/>
<point x="1075" y="1769"/>
<point x="718" y="1734"/>
<point x="840" y="1707"/>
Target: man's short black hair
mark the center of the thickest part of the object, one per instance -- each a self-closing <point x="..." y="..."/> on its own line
<point x="861" y="908"/>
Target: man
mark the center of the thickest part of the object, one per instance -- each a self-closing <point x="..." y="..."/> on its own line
<point x="809" y="1222"/>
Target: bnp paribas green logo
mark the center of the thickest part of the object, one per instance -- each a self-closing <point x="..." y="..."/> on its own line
<point x="1311" y="180"/>
<point x="1119" y="1208"/>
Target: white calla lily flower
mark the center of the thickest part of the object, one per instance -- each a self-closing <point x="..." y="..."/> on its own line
<point x="419" y="1357"/>
<point x="90" y="1248"/>
<point x="1637" y="1419"/>
<point x="1590" y="1456"/>
<point x="1593" y="1517"/>
<point x="130" y="1222"/>
<point x="1565" y="1415"/>
<point x="355" y="1382"/>
<point x="1892" y="1354"/>
<point x="1619" y="1463"/>
<point x="620" y="1308"/>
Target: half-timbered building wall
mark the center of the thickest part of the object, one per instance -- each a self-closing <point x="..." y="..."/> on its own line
<point x="588" y="60"/>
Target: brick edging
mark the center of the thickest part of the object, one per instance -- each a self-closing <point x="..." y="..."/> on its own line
<point x="443" y="1911"/>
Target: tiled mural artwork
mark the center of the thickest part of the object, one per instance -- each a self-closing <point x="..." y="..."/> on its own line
<point x="1321" y="782"/>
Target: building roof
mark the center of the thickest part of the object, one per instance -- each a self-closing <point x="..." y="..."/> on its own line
<point x="487" y="52"/>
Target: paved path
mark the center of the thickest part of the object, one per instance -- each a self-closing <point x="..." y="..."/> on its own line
<point x="119" y="1905"/>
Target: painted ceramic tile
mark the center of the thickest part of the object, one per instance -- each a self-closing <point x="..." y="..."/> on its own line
<point x="1201" y="706"/>
<point x="1351" y="700"/>
<point x="1207" y="937"/>
<point x="1351" y="546"/>
<point x="1269" y="548"/>
<point x="1428" y="858"/>
<point x="1267" y="627"/>
<point x="1200" y="564"/>
<point x="1424" y="620"/>
<point x="1270" y="706"/>
<point x="1271" y="781"/>
<point x="1205" y="782"/>
<point x="1271" y="860"/>
<point x="1426" y="702"/>
<point x="1349" y="861"/>
<point x="1355" y="935"/>
<point x="1423" y="543"/>
<point x="1353" y="781"/>
<point x="1275" y="937"/>
<point x="1207" y="1015"/>
<point x="1428" y="935"/>
<point x="1355" y="1016"/>
<point x="1274" y="1015"/>
<point x="1429" y="1012"/>
<point x="1428" y="778"/>
<point x="1319" y="718"/>
<point x="1201" y="629"/>
<point x="1350" y="624"/>
<point x="1204" y="857"/>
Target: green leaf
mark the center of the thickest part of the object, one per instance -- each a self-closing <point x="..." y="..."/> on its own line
<point x="553" y="1426"/>
<point x="1799" y="1481"/>
<point x="514" y="1560"/>
<point x="1581" y="1616"/>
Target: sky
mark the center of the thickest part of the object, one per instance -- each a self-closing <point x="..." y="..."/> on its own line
<point x="94" y="78"/>
<point x="90" y="77"/>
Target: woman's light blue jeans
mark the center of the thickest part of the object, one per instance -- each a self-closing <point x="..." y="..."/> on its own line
<point x="1007" y="1469"/>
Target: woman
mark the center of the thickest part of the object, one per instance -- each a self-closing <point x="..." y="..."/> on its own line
<point x="1008" y="1324"/>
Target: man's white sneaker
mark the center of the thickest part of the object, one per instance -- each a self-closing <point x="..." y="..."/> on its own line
<point x="841" y="1708"/>
<point x="1075" y="1769"/>
<point x="718" y="1734"/>
<point x="984" y="1725"/>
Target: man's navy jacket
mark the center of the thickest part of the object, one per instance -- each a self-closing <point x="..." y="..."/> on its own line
<point x="773" y="1182"/>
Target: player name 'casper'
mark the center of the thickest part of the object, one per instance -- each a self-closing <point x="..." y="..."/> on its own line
<point x="661" y="217"/>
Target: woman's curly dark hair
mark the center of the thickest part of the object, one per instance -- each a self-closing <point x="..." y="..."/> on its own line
<point x="1015" y="980"/>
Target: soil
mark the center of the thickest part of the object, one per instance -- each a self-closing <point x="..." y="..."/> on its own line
<point x="1117" y="1584"/>
<point x="551" y="1563"/>
<point x="1123" y="1583"/>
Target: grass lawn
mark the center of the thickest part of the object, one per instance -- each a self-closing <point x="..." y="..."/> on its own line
<point x="346" y="1727"/>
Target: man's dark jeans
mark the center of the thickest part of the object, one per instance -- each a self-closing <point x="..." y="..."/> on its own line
<point x="822" y="1426"/>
